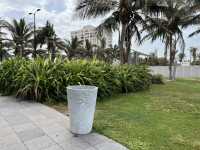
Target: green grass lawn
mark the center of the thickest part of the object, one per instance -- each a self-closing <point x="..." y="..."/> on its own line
<point x="167" y="117"/>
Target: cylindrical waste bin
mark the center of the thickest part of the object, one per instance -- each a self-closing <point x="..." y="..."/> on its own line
<point x="81" y="104"/>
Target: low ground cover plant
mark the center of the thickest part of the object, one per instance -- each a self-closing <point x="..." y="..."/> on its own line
<point x="157" y="79"/>
<point x="42" y="80"/>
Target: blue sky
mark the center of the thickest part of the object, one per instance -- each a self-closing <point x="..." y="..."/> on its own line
<point x="61" y="13"/>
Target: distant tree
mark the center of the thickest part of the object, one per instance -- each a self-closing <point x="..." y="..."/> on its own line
<point x="89" y="48"/>
<point x="107" y="54"/>
<point x="4" y="50"/>
<point x="127" y="16"/>
<point x="199" y="56"/>
<point x="181" y="57"/>
<point x="73" y="48"/>
<point x="193" y="52"/>
<point x="168" y="28"/>
<point x="21" y="35"/>
<point x="48" y="36"/>
<point x="103" y="43"/>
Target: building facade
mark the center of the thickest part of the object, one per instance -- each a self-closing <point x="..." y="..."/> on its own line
<point x="90" y="33"/>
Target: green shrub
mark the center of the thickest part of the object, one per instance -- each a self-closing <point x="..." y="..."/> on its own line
<point x="8" y="74"/>
<point x="133" y="78"/>
<point x="42" y="80"/>
<point x="157" y="79"/>
<point x="195" y="63"/>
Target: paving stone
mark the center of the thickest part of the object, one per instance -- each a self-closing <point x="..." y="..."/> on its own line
<point x="28" y="135"/>
<point x="33" y="126"/>
<point x="91" y="148"/>
<point x="65" y="123"/>
<point x="37" y="118"/>
<point x="54" y="147"/>
<point x="75" y="143"/>
<point x="110" y="146"/>
<point x="8" y="112"/>
<point x="70" y="146"/>
<point x="94" y="139"/>
<point x="53" y="127"/>
<point x="24" y="127"/>
<point x="17" y="119"/>
<point x="45" y="122"/>
<point x="3" y="123"/>
<point x="5" y="131"/>
<point x="9" y="140"/>
<point x="52" y="114"/>
<point x="40" y="143"/>
<point x="60" y="136"/>
<point x="30" y="112"/>
<point x="18" y="146"/>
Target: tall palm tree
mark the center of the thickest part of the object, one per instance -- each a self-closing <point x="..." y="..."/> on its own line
<point x="73" y="47"/>
<point x="195" y="18"/>
<point x="193" y="52"/>
<point x="126" y="16"/>
<point x="168" y="28"/>
<point x="89" y="48"/>
<point x="47" y="35"/>
<point x="4" y="51"/>
<point x="181" y="57"/>
<point x="21" y="35"/>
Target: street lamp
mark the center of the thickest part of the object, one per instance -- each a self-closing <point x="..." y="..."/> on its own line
<point x="34" y="44"/>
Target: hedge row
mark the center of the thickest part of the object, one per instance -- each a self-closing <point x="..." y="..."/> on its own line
<point x="44" y="80"/>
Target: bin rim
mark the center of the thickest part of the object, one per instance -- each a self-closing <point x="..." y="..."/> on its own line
<point x="82" y="87"/>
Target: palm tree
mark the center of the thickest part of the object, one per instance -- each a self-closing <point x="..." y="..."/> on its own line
<point x="168" y="28"/>
<point x="4" y="51"/>
<point x="73" y="47"/>
<point x="89" y="48"/>
<point x="107" y="54"/>
<point x="46" y="35"/>
<point x="181" y="57"/>
<point x="21" y="35"/>
<point x="193" y="52"/>
<point x="126" y="17"/>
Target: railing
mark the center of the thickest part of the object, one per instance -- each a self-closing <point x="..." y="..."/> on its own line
<point x="181" y="71"/>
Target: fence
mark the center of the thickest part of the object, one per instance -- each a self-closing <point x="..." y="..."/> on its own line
<point x="181" y="72"/>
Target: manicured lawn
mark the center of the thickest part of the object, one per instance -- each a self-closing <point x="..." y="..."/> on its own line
<point x="167" y="117"/>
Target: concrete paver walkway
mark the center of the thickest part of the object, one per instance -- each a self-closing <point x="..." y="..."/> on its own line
<point x="33" y="126"/>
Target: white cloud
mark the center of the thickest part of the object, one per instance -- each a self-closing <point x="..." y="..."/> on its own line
<point x="60" y="13"/>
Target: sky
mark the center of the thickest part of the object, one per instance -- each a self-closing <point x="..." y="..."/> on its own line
<point x="62" y="14"/>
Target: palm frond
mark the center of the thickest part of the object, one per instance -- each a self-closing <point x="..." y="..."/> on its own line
<point x="194" y="33"/>
<point x="95" y="8"/>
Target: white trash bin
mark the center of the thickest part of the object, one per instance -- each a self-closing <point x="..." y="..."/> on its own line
<point x="81" y="104"/>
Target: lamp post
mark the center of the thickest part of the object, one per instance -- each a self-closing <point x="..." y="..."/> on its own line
<point x="34" y="43"/>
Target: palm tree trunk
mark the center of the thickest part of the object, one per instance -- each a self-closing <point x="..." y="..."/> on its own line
<point x="121" y="44"/>
<point x="53" y="55"/>
<point x="170" y="60"/>
<point x="174" y="61"/>
<point x="174" y="70"/>
<point x="165" y="54"/>
<point x="1" y="56"/>
<point x="17" y="50"/>
<point x="53" y="51"/>
<point x="22" y="50"/>
<point x="128" y="49"/>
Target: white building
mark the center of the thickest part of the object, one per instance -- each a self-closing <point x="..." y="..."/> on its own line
<point x="90" y="33"/>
